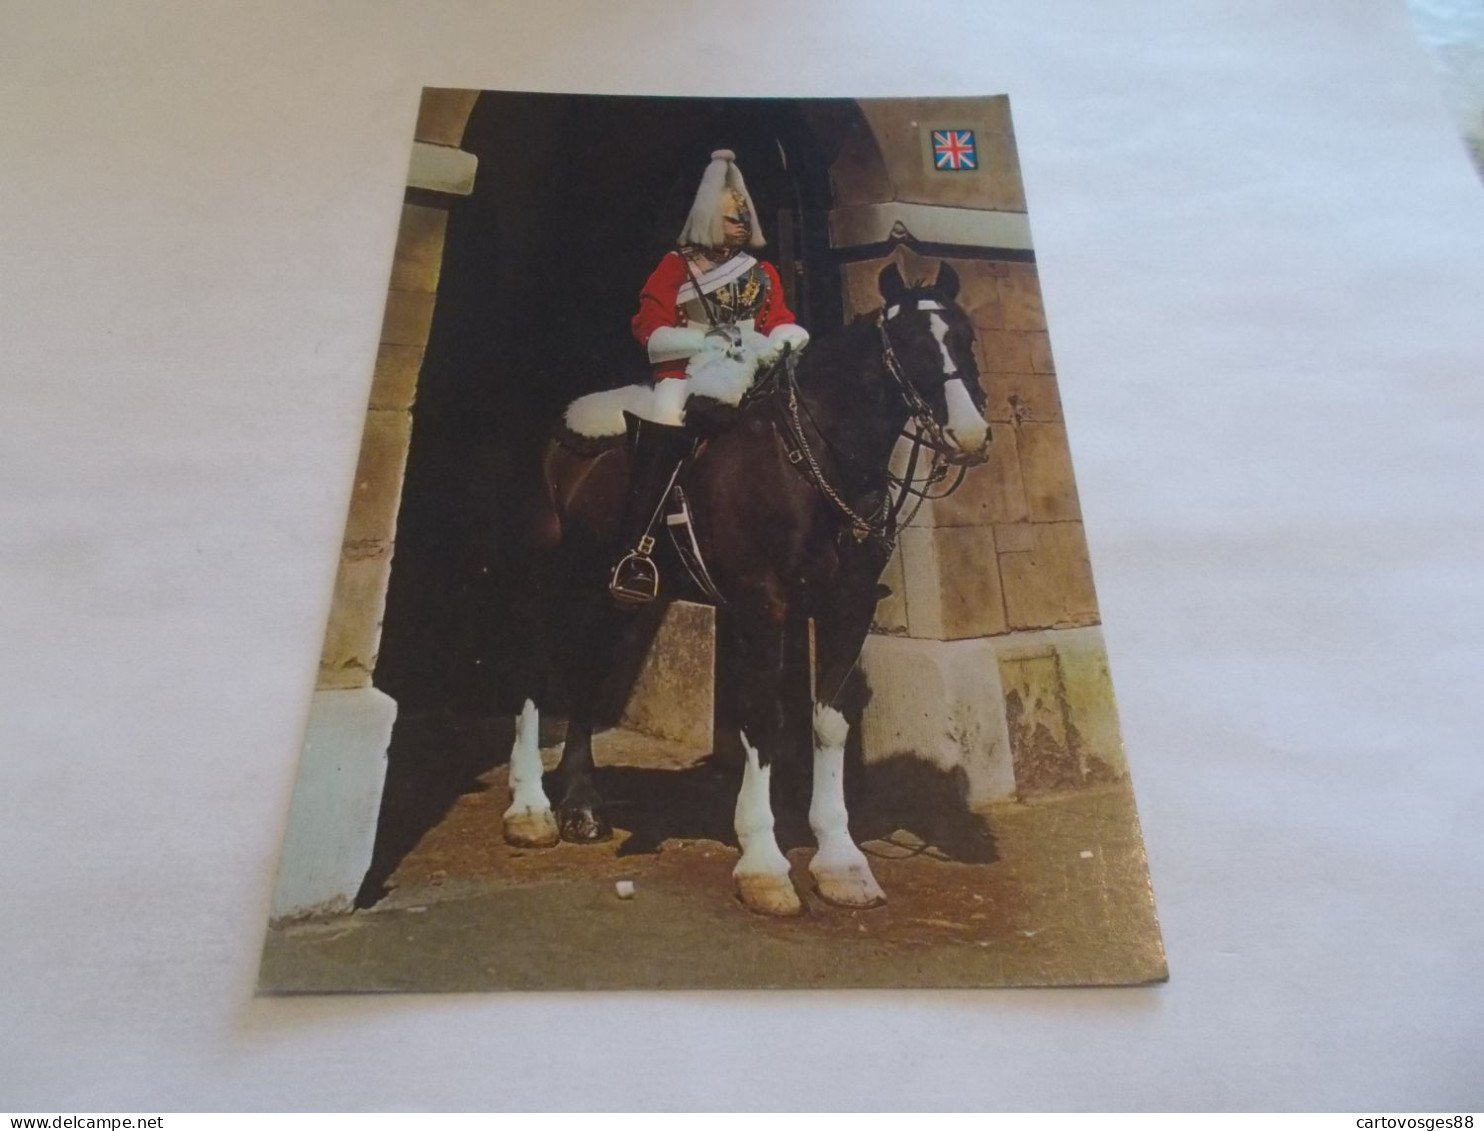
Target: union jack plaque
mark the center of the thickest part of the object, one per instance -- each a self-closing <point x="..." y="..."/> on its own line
<point x="954" y="150"/>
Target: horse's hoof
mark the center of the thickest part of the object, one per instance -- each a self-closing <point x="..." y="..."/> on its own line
<point x="584" y="826"/>
<point x="536" y="829"/>
<point x="854" y="888"/>
<point x="767" y="894"/>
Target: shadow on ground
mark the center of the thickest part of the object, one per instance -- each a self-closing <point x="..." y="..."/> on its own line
<point x="902" y="807"/>
<point x="433" y="760"/>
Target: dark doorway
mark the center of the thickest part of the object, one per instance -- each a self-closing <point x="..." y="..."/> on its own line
<point x="576" y="199"/>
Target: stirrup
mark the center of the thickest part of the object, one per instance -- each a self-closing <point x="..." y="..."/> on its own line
<point x="635" y="579"/>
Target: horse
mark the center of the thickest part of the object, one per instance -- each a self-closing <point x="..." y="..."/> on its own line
<point x="793" y="510"/>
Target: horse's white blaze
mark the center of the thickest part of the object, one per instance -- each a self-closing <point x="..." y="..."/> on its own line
<point x="527" y="799"/>
<point x="839" y="867"/>
<point x="753" y="821"/>
<point x="940" y="332"/>
<point x="965" y="426"/>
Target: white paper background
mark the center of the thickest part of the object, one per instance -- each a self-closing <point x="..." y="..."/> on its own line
<point x="1262" y="250"/>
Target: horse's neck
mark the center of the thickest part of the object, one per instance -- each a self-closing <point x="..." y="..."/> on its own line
<point x="845" y="388"/>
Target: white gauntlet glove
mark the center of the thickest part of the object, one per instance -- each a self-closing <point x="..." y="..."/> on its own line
<point x="671" y="343"/>
<point x="789" y="334"/>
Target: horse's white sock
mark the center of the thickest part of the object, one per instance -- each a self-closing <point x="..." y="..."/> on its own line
<point x="753" y="820"/>
<point x="527" y="796"/>
<point x="839" y="867"/>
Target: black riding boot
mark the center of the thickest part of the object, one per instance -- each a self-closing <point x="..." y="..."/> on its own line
<point x="657" y="452"/>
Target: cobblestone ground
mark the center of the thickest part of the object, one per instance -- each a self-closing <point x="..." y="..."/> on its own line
<point x="1065" y="899"/>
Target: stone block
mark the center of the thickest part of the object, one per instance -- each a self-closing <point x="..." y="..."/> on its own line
<point x="674" y="695"/>
<point x="353" y="636"/>
<point x="1020" y="297"/>
<point x="979" y="292"/>
<point x="1092" y="712"/>
<point x="977" y="277"/>
<point x="940" y="701"/>
<point x="394" y="384"/>
<point x="419" y="254"/>
<point x="861" y="292"/>
<point x="443" y="114"/>
<point x="1051" y="585"/>
<point x="1003" y="351"/>
<point x="1046" y="470"/>
<point x="1060" y="712"/>
<point x="992" y="492"/>
<point x="1040" y="349"/>
<point x="337" y="798"/>
<point x="983" y="310"/>
<point x="952" y="582"/>
<point x="409" y="316"/>
<point x="891" y="610"/>
<point x="378" y="485"/>
<point x="1014" y="538"/>
<point x="1036" y="715"/>
<point x="1017" y="397"/>
<point x="442" y="169"/>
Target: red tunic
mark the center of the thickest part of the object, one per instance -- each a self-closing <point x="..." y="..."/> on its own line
<point x="658" y="306"/>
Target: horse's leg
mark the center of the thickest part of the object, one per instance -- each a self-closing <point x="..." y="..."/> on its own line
<point x="761" y="875"/>
<point x="591" y="647"/>
<point x="580" y="813"/>
<point x="528" y="822"/>
<point x="842" y="875"/>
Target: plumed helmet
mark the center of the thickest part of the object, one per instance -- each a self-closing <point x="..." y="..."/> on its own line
<point x="721" y="184"/>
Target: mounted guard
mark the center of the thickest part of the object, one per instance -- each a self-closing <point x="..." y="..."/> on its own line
<point x="793" y="511"/>
<point x="711" y="316"/>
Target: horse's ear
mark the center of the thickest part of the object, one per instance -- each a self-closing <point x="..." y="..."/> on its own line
<point x="893" y="287"/>
<point x="946" y="283"/>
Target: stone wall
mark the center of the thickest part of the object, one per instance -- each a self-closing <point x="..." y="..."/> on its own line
<point x="354" y="633"/>
<point x="1006" y="551"/>
<point x="342" y="770"/>
<point x="1003" y="561"/>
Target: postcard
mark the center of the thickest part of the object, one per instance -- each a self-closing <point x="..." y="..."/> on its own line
<point x="714" y="608"/>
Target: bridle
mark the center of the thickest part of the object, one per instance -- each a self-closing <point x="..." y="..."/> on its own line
<point x="884" y="523"/>
<point x="922" y="413"/>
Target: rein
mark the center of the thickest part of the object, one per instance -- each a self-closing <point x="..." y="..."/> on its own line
<point x="884" y="522"/>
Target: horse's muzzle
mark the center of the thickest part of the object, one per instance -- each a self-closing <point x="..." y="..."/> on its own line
<point x="959" y="456"/>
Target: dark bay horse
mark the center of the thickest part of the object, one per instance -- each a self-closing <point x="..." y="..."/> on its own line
<point x="792" y="508"/>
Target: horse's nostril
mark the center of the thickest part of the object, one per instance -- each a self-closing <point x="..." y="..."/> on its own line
<point x="982" y="438"/>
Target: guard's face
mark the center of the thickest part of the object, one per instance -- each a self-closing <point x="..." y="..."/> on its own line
<point x="736" y="222"/>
